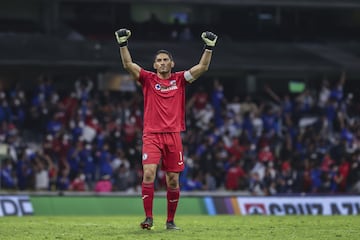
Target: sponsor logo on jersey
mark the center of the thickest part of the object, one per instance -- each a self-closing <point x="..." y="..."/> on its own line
<point x="144" y="156"/>
<point x="162" y="88"/>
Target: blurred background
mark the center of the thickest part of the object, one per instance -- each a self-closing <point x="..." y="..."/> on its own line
<point x="277" y="112"/>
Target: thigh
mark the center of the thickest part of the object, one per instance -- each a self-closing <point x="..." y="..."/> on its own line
<point x="173" y="159"/>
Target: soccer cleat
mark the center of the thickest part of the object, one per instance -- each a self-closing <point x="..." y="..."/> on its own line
<point x="171" y="226"/>
<point x="147" y="223"/>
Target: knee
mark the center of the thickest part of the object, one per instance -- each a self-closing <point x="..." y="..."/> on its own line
<point x="173" y="182"/>
<point x="149" y="175"/>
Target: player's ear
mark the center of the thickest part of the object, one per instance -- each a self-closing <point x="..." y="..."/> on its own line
<point x="154" y="65"/>
<point x="172" y="64"/>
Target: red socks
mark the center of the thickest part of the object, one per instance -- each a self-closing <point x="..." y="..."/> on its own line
<point x="172" y="196"/>
<point x="172" y="202"/>
<point x="148" y="197"/>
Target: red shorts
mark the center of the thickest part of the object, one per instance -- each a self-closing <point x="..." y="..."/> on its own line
<point x="166" y="147"/>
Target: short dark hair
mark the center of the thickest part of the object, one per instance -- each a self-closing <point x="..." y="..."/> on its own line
<point x="165" y="52"/>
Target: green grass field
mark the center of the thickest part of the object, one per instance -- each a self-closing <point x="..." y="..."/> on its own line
<point x="192" y="227"/>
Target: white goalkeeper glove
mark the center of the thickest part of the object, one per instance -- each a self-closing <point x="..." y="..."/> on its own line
<point x="122" y="36"/>
<point x="210" y="39"/>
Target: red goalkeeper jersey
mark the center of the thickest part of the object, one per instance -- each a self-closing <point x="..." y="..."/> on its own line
<point x="164" y="102"/>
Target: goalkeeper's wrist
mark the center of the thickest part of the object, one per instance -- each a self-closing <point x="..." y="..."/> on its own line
<point x="208" y="47"/>
<point x="123" y="44"/>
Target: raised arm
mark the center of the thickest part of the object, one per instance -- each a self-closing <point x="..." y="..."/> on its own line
<point x="342" y="78"/>
<point x="122" y="36"/>
<point x="203" y="65"/>
<point x="272" y="93"/>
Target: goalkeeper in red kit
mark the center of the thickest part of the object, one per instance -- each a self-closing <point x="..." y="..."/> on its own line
<point x="164" y="119"/>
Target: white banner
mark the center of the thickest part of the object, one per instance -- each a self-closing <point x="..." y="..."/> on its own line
<point x="327" y="205"/>
<point x="15" y="206"/>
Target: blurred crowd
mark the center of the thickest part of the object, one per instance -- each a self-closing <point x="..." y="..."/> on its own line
<point x="85" y="139"/>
